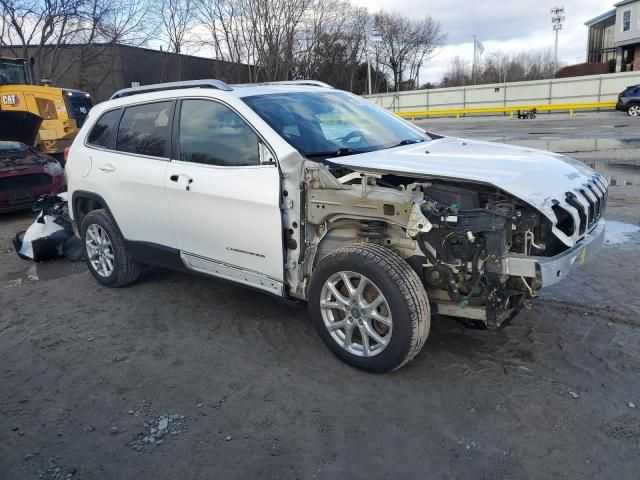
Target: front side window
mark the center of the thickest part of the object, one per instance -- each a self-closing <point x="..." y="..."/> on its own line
<point x="329" y="124"/>
<point x="145" y="129"/>
<point x="626" y="20"/>
<point x="213" y="134"/>
<point x="103" y="130"/>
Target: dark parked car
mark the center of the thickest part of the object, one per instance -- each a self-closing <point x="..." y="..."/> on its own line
<point x="25" y="174"/>
<point x="629" y="101"/>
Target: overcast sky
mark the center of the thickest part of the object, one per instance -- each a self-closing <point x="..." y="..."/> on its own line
<point x="506" y="25"/>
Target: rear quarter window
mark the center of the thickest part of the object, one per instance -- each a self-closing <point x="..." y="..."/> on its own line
<point x="102" y="133"/>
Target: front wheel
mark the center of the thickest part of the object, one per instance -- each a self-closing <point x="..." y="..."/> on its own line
<point x="634" y="110"/>
<point x="369" y="307"/>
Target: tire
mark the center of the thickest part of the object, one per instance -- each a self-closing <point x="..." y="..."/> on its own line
<point x="98" y="224"/>
<point x="633" y="110"/>
<point x="404" y="307"/>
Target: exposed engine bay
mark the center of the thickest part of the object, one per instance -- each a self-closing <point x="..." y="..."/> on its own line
<point x="455" y="235"/>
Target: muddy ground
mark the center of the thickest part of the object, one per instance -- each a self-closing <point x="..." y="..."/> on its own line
<point x="247" y="390"/>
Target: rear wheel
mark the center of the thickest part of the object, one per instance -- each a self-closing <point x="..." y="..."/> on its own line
<point x="105" y="253"/>
<point x="369" y="307"/>
<point x="634" y="110"/>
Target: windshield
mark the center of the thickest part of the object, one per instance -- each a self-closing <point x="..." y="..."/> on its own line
<point x="6" y="146"/>
<point x="326" y="124"/>
<point x="12" y="73"/>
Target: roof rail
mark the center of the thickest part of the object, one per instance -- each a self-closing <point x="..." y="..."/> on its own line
<point x="159" y="87"/>
<point x="312" y="83"/>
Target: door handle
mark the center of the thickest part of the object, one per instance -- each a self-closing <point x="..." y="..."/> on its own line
<point x="176" y="178"/>
<point x="107" y="167"/>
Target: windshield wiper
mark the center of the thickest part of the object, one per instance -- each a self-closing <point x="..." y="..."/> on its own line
<point x="341" y="152"/>
<point x="407" y="141"/>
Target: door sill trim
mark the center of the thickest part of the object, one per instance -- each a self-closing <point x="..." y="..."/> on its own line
<point x="232" y="273"/>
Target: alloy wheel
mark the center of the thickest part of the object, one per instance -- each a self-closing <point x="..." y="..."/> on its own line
<point x="356" y="314"/>
<point x="99" y="250"/>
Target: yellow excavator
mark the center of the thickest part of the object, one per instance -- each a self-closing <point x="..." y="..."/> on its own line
<point x="26" y="107"/>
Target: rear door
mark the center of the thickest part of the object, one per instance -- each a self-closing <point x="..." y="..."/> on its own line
<point x="129" y="170"/>
<point x="224" y="196"/>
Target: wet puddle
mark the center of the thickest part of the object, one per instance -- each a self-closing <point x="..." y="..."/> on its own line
<point x="620" y="232"/>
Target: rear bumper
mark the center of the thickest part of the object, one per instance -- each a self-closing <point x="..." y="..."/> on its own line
<point x="620" y="106"/>
<point x="550" y="270"/>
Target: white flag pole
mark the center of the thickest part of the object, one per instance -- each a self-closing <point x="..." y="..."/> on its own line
<point x="475" y="58"/>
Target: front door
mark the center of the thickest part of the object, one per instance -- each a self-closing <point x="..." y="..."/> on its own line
<point x="224" y="202"/>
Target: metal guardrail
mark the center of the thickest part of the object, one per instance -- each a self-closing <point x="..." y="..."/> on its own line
<point x="511" y="109"/>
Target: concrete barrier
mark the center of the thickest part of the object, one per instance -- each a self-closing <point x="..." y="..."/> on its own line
<point x="591" y="92"/>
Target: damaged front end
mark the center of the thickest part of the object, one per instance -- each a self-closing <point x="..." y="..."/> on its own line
<point x="481" y="253"/>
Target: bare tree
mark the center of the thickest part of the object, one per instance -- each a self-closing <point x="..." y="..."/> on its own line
<point x="405" y="44"/>
<point x="499" y="67"/>
<point x="32" y="25"/>
<point x="177" y="18"/>
<point x="223" y="18"/>
<point x="326" y="24"/>
<point x="285" y="39"/>
<point x="229" y="32"/>
<point x="459" y="73"/>
<point x="41" y="29"/>
<point x="274" y="24"/>
<point x="273" y="39"/>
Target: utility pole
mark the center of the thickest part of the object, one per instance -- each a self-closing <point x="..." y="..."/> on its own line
<point x="557" y="18"/>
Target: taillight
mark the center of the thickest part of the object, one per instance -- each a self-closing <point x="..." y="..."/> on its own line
<point x="65" y="155"/>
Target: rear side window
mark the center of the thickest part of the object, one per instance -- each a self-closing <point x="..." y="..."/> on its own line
<point x="213" y="134"/>
<point x="103" y="130"/>
<point x="145" y="129"/>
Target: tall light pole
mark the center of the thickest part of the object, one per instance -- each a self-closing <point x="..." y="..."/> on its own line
<point x="557" y="18"/>
<point x="372" y="40"/>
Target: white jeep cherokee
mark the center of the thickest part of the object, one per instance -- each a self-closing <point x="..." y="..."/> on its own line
<point x="310" y="193"/>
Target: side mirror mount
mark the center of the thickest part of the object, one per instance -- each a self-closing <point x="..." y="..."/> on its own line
<point x="266" y="157"/>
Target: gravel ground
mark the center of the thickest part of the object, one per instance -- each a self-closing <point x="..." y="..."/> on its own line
<point x="181" y="376"/>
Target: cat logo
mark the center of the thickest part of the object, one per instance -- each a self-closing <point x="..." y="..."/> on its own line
<point x="12" y="100"/>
